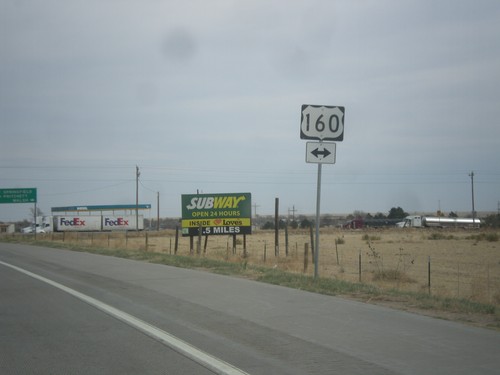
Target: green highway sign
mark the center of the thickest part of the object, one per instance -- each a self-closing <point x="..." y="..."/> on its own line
<point x="26" y="195"/>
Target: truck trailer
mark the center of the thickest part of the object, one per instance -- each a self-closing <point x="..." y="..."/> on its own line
<point x="90" y="223"/>
<point x="417" y="221"/>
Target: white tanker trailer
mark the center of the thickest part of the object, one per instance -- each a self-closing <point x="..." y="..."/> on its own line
<point x="417" y="221"/>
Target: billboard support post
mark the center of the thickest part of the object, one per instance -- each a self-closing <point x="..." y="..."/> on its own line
<point x="34" y="218"/>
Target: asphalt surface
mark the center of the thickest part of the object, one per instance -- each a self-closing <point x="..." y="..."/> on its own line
<point x="257" y="328"/>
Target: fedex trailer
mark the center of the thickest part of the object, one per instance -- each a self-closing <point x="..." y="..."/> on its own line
<point x="77" y="223"/>
<point x="123" y="222"/>
<point x="97" y="223"/>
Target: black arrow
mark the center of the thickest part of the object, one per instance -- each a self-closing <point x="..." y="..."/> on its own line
<point x="324" y="153"/>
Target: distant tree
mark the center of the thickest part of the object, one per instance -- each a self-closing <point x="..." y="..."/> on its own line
<point x="327" y="220"/>
<point x="492" y="221"/>
<point x="379" y="215"/>
<point x="452" y="214"/>
<point x="293" y="224"/>
<point x="268" y="225"/>
<point x="39" y="212"/>
<point x="397" y="213"/>
<point x="305" y="223"/>
<point x="281" y="224"/>
<point x="358" y="214"/>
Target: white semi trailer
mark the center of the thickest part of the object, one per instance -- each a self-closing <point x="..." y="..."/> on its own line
<point x="96" y="223"/>
<point x="89" y="223"/>
<point x="418" y="221"/>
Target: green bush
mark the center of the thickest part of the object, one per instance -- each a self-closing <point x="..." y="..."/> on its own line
<point x="440" y="236"/>
<point x="490" y="237"/>
<point x="366" y="237"/>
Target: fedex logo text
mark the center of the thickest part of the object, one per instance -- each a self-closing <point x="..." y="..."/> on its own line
<point x="75" y="222"/>
<point x="117" y="222"/>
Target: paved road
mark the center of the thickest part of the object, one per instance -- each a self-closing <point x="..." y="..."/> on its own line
<point x="257" y="328"/>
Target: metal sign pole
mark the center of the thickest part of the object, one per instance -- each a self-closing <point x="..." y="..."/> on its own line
<point x="318" y="199"/>
<point x="324" y="124"/>
<point x="34" y="216"/>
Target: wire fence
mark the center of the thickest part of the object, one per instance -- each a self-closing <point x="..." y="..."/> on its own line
<point x="457" y="267"/>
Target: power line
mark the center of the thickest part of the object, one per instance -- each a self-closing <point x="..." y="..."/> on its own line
<point x="249" y="171"/>
<point x="86" y="191"/>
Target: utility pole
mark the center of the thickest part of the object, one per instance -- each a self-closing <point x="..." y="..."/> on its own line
<point x="137" y="174"/>
<point x="472" y="185"/>
<point x="276" y="227"/>
<point x="158" y="211"/>
<point x="293" y="210"/>
<point x="255" y="209"/>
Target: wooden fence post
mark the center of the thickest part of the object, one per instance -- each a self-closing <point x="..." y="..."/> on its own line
<point x="306" y="256"/>
<point x="205" y="245"/>
<point x="429" y="274"/>
<point x="311" y="234"/>
<point x="337" y="252"/>
<point x="286" y="239"/>
<point x="176" y="240"/>
<point x="359" y="271"/>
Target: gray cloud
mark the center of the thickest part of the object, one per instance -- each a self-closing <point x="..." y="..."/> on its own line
<point x="207" y="95"/>
<point x="180" y="45"/>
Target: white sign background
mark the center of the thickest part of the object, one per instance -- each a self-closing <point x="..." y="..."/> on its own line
<point x="323" y="123"/>
<point x="315" y="152"/>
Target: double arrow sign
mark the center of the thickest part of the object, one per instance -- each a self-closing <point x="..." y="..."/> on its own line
<point x="320" y="152"/>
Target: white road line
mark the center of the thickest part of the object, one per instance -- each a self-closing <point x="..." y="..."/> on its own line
<point x="214" y="364"/>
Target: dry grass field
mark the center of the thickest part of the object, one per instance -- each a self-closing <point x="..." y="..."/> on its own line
<point x="463" y="263"/>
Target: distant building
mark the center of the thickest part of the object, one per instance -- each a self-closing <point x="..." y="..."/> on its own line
<point x="7" y="228"/>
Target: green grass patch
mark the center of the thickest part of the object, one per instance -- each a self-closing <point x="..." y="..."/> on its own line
<point x="490" y="237"/>
<point x="367" y="237"/>
<point x="440" y="236"/>
<point x="320" y="285"/>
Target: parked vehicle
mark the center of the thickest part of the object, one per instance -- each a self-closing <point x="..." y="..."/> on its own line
<point x="43" y="225"/>
<point x="418" y="221"/>
<point x="31" y="229"/>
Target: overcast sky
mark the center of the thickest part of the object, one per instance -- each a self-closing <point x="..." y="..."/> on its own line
<point x="206" y="95"/>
